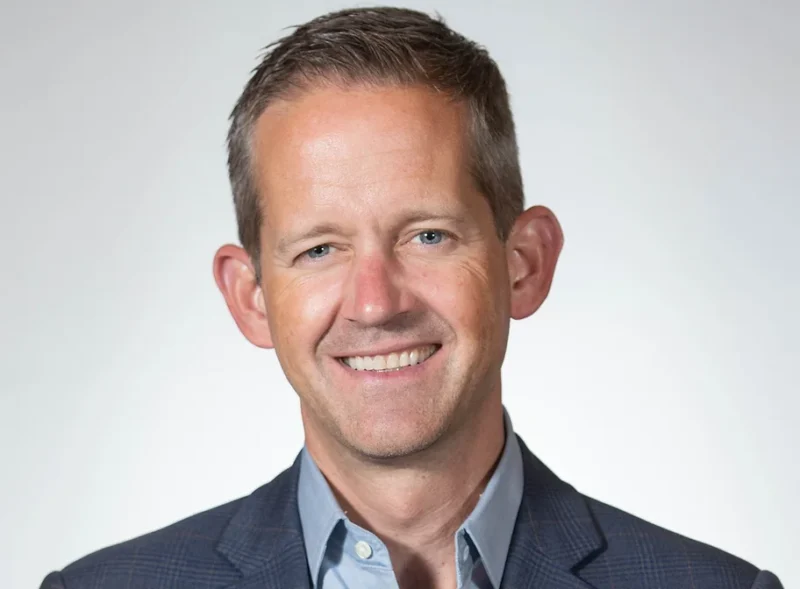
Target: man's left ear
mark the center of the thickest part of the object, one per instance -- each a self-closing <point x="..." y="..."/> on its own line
<point x="532" y="250"/>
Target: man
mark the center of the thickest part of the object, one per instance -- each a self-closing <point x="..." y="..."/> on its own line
<point x="377" y="188"/>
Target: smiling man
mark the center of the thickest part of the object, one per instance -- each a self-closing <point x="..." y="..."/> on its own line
<point x="385" y="250"/>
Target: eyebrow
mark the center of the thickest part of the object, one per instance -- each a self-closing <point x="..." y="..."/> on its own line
<point x="285" y="243"/>
<point x="419" y="216"/>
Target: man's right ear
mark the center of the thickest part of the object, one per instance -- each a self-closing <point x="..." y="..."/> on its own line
<point x="236" y="279"/>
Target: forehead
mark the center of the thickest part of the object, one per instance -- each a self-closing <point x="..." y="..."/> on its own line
<point x="353" y="147"/>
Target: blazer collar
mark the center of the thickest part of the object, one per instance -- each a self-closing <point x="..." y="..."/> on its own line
<point x="264" y="539"/>
<point x="555" y="534"/>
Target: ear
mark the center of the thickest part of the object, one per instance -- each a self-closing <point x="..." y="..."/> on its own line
<point x="532" y="250"/>
<point x="236" y="279"/>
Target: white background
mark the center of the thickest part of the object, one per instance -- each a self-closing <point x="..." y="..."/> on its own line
<point x="661" y="375"/>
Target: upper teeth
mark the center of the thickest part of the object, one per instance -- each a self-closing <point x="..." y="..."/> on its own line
<point x="390" y="361"/>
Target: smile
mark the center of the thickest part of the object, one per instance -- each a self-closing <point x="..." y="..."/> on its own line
<point x="393" y="361"/>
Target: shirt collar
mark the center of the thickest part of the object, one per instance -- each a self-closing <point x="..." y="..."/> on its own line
<point x="319" y="511"/>
<point x="491" y="523"/>
<point x="489" y="526"/>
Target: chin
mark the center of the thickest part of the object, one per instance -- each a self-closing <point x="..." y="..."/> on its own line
<point x="381" y="441"/>
<point x="391" y="450"/>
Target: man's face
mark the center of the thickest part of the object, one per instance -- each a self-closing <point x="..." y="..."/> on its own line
<point x="385" y="285"/>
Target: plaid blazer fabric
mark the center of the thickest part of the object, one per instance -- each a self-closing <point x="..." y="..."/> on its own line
<point x="561" y="540"/>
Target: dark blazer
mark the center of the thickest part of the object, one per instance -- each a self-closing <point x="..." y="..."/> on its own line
<point x="561" y="540"/>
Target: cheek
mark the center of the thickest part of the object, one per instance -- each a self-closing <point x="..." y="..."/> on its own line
<point x="300" y="311"/>
<point x="470" y="297"/>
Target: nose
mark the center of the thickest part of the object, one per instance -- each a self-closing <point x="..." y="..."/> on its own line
<point x="376" y="291"/>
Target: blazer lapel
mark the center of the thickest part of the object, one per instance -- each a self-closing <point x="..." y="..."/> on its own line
<point x="555" y="534"/>
<point x="264" y="539"/>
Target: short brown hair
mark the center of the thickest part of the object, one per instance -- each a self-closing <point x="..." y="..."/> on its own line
<point x="381" y="46"/>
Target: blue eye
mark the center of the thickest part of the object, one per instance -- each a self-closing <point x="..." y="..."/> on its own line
<point x="431" y="237"/>
<point x="318" y="251"/>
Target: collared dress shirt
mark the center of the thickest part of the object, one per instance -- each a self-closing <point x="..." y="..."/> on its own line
<point x="342" y="555"/>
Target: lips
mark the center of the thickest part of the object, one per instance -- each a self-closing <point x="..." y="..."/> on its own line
<point x="392" y="361"/>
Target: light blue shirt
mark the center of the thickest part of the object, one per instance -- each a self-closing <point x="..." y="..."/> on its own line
<point x="342" y="555"/>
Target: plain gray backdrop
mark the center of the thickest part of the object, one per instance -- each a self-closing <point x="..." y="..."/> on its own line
<point x="660" y="376"/>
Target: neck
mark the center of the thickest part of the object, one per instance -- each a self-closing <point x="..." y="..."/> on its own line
<point x="415" y="504"/>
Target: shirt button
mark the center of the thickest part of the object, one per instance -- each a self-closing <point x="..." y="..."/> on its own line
<point x="363" y="550"/>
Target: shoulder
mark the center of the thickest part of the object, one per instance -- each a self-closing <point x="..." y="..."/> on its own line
<point x="608" y="547"/>
<point x="185" y="551"/>
<point x="205" y="551"/>
<point x="654" y="556"/>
